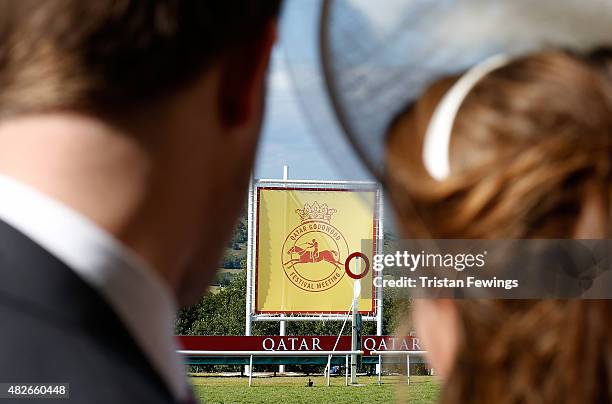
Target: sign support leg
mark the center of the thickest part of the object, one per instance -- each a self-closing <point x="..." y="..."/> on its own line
<point x="283" y="323"/>
<point x="379" y="250"/>
<point x="346" y="369"/>
<point x="249" y="266"/>
<point x="354" y="343"/>
<point x="379" y="369"/>
<point x="408" y="367"/>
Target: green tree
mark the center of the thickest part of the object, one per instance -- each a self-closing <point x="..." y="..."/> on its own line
<point x="223" y="313"/>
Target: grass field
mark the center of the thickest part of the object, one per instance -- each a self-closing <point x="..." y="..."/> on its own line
<point x="210" y="389"/>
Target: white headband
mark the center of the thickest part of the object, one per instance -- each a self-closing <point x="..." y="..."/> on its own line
<point x="436" y="143"/>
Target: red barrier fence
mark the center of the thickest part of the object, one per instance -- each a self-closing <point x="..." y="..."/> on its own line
<point x="297" y="343"/>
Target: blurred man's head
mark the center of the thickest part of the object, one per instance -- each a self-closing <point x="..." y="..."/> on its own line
<point x="143" y="115"/>
<point x="115" y="56"/>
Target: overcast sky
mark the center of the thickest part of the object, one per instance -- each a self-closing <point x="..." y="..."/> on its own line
<point x="289" y="137"/>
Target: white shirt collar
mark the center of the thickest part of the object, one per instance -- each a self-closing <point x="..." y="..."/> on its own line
<point x="138" y="295"/>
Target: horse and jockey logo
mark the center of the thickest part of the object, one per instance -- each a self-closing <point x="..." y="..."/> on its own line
<point x="313" y="253"/>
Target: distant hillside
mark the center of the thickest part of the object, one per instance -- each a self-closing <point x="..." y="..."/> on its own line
<point x="234" y="258"/>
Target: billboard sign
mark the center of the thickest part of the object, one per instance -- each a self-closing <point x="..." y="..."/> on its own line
<point x="303" y="239"/>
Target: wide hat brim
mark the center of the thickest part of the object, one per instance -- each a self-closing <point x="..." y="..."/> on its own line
<point x="363" y="61"/>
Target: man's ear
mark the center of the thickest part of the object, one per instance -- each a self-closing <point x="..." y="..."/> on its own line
<point x="437" y="325"/>
<point x="242" y="80"/>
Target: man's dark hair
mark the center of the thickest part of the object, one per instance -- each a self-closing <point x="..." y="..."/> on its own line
<point x="113" y="54"/>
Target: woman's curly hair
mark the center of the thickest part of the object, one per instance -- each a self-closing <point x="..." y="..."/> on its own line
<point x="531" y="157"/>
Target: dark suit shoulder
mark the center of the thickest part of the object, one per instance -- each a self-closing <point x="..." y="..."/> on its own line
<point x="56" y="328"/>
<point x="34" y="349"/>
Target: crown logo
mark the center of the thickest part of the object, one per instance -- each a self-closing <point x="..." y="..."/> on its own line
<point x="315" y="212"/>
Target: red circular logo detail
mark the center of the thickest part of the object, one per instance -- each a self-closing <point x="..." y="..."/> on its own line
<point x="348" y="261"/>
<point x="312" y="255"/>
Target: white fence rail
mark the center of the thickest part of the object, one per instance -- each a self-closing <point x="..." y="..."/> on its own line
<point x="329" y="355"/>
<point x="252" y="354"/>
<point x="395" y="353"/>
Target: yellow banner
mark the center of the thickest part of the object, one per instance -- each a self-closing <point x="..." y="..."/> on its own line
<point x="303" y="239"/>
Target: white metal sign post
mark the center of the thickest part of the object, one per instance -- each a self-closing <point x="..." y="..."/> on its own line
<point x="354" y="336"/>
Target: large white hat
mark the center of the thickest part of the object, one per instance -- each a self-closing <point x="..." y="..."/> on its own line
<point x="362" y="61"/>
